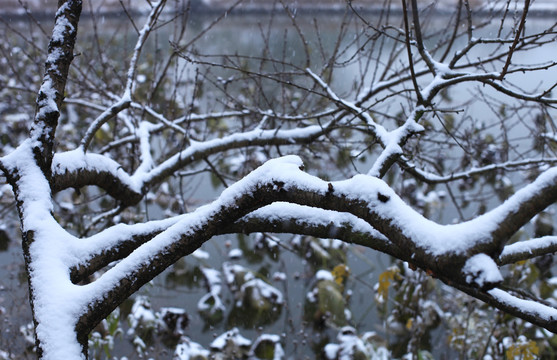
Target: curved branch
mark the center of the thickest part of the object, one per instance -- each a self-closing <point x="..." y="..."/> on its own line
<point x="77" y="169"/>
<point x="304" y="220"/>
<point x="540" y="98"/>
<point x="523" y="206"/>
<point x="120" y="240"/>
<point x="257" y="137"/>
<point x="440" y="249"/>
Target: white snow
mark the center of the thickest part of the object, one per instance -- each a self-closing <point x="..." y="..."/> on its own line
<point x="187" y="350"/>
<point x="232" y="336"/>
<point x="235" y="254"/>
<point x="482" y="270"/>
<point x="529" y="246"/>
<point x="62" y="26"/>
<point x="141" y="314"/>
<point x="76" y="160"/>
<point x="324" y="275"/>
<point x="527" y="306"/>
<point x="278" y="353"/>
<point x="261" y="291"/>
<point x="54" y="250"/>
<point x="200" y="254"/>
<point x="214" y="284"/>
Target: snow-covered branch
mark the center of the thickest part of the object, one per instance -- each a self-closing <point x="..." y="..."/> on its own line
<point x="125" y="100"/>
<point x="432" y="178"/>
<point x="371" y="203"/>
<point x="236" y="111"/>
<point x="282" y="217"/>
<point x="76" y="169"/>
<point x="530" y="310"/>
<point x="51" y="92"/>
<point x="527" y="249"/>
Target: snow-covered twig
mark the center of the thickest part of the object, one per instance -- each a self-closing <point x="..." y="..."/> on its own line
<point x="528" y="249"/>
<point x="124" y="101"/>
<point x="431" y="178"/>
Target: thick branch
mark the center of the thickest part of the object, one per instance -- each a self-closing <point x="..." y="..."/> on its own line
<point x="277" y="217"/>
<point x="303" y="220"/>
<point x="76" y="169"/>
<point x="524" y="205"/>
<point x="51" y="93"/>
<point x="439" y="249"/>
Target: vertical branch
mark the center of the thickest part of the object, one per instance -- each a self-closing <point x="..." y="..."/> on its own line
<point x="469" y="20"/>
<point x="516" y="39"/>
<point x="419" y="38"/>
<point x="503" y="18"/>
<point x="417" y="27"/>
<point x="455" y="32"/>
<point x="51" y="93"/>
<point x="292" y="17"/>
<point x="125" y="101"/>
<point x="409" y="51"/>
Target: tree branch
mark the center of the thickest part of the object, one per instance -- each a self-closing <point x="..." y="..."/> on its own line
<point x="528" y="249"/>
<point x="51" y="93"/>
<point x="125" y="101"/>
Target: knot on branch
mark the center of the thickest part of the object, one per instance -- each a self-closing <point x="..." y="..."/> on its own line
<point x="382" y="198"/>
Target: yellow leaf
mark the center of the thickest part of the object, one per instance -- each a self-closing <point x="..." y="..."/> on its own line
<point x="340" y="273"/>
<point x="409" y="323"/>
<point x="385" y="279"/>
<point x="523" y="351"/>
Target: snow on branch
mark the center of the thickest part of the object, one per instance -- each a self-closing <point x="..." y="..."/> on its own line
<point x="125" y="100"/>
<point x="112" y="244"/>
<point x="431" y="178"/>
<point x="528" y="249"/>
<point x="51" y="92"/>
<point x="150" y="248"/>
<point x="76" y="169"/>
<point x="282" y="217"/>
<point x="199" y="150"/>
<point x="537" y="313"/>
<point x="390" y="140"/>
<point x="531" y="310"/>
<point x="366" y="197"/>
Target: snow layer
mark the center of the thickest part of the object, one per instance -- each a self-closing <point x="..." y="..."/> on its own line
<point x="482" y="270"/>
<point x="527" y="306"/>
<point x="58" y="302"/>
